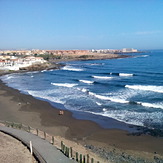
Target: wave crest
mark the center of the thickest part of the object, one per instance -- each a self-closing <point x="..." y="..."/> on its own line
<point x="124" y="74"/>
<point x="151" y="105"/>
<point x="64" y="84"/>
<point x="152" y="88"/>
<point x="70" y="68"/>
<point x="102" y="77"/>
<point x="86" y="81"/>
<point x="108" y="98"/>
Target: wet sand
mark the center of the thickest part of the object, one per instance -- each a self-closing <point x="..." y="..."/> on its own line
<point x="21" y="108"/>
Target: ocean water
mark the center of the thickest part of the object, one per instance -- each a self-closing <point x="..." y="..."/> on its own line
<point x="129" y="90"/>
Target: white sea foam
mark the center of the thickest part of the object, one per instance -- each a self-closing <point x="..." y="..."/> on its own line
<point x="94" y="64"/>
<point x="64" y="84"/>
<point x="131" y="117"/>
<point x="99" y="104"/>
<point x="84" y="90"/>
<point x="102" y="77"/>
<point x="124" y="74"/>
<point x="117" y="100"/>
<point x="43" y="70"/>
<point x="32" y="72"/>
<point x="8" y="77"/>
<point x="152" y="88"/>
<point x="86" y="81"/>
<point x="104" y="109"/>
<point x="45" y="95"/>
<point x="144" y="55"/>
<point x="71" y="68"/>
<point x="99" y="96"/>
<point x="123" y="101"/>
<point x="141" y="56"/>
<point x="118" y="115"/>
<point x="151" y="105"/>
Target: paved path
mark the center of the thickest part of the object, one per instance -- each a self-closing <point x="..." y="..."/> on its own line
<point x="41" y="148"/>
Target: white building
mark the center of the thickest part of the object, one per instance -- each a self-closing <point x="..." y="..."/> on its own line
<point x="14" y="63"/>
<point x="128" y="50"/>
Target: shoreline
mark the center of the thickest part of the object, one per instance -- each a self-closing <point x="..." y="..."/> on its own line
<point x="26" y="109"/>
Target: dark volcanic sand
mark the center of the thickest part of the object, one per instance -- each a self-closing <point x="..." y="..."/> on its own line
<point x="25" y="109"/>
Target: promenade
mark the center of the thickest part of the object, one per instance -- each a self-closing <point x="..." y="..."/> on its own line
<point x="42" y="149"/>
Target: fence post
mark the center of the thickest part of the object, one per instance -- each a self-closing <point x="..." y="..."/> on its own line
<point x="66" y="151"/>
<point x="62" y="146"/>
<point x="53" y="140"/>
<point x="20" y="127"/>
<point x="31" y="147"/>
<point x="80" y="158"/>
<point x="29" y="129"/>
<point x="71" y="152"/>
<point x="12" y="124"/>
<point x="44" y="135"/>
<point x="6" y="124"/>
<point x="84" y="159"/>
<point x="68" y="155"/>
<point x="37" y="131"/>
<point x="87" y="158"/>
<point x="77" y="156"/>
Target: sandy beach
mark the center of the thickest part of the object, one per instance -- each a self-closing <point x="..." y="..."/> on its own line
<point x="21" y="108"/>
<point x="13" y="150"/>
<point x="84" y="76"/>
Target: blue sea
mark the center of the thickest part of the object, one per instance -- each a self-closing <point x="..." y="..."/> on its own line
<point x="128" y="90"/>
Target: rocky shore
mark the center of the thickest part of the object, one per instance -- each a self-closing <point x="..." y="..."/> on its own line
<point x="119" y="156"/>
<point x="112" y="145"/>
<point x="57" y="62"/>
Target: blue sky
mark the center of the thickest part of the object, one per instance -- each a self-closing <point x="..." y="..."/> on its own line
<point x="81" y="24"/>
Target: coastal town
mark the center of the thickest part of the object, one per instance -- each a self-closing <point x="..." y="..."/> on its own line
<point x="18" y="59"/>
<point x="81" y="81"/>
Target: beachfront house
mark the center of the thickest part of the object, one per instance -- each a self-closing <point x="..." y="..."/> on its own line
<point x="14" y="63"/>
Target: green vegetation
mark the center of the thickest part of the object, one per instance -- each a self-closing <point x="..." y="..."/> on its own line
<point x="86" y="56"/>
<point x="49" y="56"/>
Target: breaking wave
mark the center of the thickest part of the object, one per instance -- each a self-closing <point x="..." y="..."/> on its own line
<point x="108" y="98"/>
<point x="152" y="88"/>
<point x="134" y="118"/>
<point x="83" y="90"/>
<point x="139" y="56"/>
<point x="86" y="81"/>
<point x="70" y="68"/>
<point x="102" y="77"/>
<point x="64" y="84"/>
<point x="45" y="95"/>
<point x="99" y="104"/>
<point x="124" y="101"/>
<point x="124" y="74"/>
<point x="120" y="74"/>
<point x="151" y="105"/>
<point x="43" y="70"/>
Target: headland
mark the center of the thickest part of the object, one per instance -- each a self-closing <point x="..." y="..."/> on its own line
<point x="111" y="144"/>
